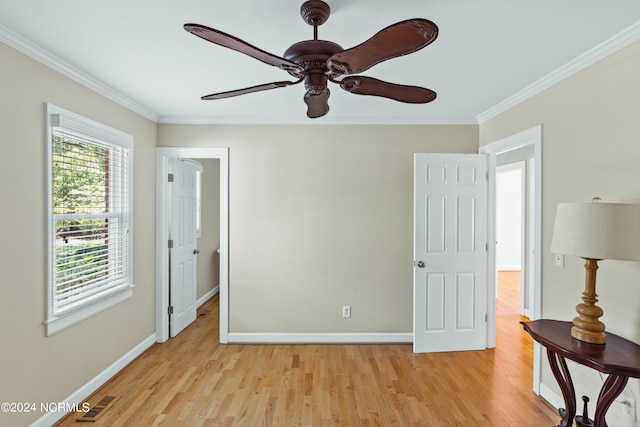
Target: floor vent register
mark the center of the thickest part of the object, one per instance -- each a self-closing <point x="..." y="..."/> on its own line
<point x="99" y="409"/>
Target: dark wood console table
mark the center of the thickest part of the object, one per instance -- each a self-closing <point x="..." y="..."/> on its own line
<point x="619" y="358"/>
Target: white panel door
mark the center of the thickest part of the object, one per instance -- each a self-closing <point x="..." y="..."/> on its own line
<point x="182" y="256"/>
<point x="450" y="252"/>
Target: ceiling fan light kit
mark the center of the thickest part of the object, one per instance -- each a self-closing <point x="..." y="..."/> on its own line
<point x="317" y="62"/>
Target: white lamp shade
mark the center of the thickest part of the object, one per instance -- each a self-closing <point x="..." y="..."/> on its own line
<point x="597" y="230"/>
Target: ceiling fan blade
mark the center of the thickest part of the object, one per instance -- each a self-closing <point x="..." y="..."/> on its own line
<point x="317" y="104"/>
<point x="251" y="89"/>
<point x="396" y="40"/>
<point x="231" y="42"/>
<point x="362" y="85"/>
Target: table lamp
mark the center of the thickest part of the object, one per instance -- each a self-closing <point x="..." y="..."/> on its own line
<point x="595" y="231"/>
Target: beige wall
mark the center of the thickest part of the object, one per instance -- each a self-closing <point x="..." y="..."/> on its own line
<point x="209" y="241"/>
<point x="321" y="217"/>
<point x="35" y="368"/>
<point x="591" y="147"/>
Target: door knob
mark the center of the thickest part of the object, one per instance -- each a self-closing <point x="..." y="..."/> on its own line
<point x="196" y="251"/>
<point x="421" y="264"/>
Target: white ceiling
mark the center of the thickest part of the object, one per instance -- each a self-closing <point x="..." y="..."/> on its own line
<point x="487" y="52"/>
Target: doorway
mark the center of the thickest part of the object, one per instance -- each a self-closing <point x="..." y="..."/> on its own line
<point x="163" y="156"/>
<point x="514" y="231"/>
<point x="523" y="146"/>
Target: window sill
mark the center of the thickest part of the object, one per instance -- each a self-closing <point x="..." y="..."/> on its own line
<point x="56" y="324"/>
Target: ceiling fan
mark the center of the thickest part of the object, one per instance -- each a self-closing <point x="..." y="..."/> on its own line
<point x="315" y="62"/>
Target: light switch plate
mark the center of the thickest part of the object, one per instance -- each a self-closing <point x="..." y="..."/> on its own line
<point x="558" y="260"/>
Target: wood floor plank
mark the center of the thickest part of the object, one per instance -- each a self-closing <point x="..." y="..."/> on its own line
<point x="191" y="380"/>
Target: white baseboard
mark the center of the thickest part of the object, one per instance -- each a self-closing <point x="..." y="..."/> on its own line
<point x="206" y="297"/>
<point x="551" y="396"/>
<point x="86" y="390"/>
<point x="319" y="338"/>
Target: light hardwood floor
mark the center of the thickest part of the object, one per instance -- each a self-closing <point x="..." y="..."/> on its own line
<point x="192" y="380"/>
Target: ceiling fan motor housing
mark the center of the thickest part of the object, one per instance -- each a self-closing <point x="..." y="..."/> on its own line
<point x="312" y="56"/>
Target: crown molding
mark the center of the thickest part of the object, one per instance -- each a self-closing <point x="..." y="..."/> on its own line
<point x="212" y="120"/>
<point x="23" y="45"/>
<point x="601" y="51"/>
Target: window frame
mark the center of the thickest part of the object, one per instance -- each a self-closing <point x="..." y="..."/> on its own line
<point x="56" y="117"/>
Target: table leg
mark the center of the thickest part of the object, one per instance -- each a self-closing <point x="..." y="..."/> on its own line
<point x="611" y="389"/>
<point x="561" y="372"/>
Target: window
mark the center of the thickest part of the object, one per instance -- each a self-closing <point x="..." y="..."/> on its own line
<point x="89" y="218"/>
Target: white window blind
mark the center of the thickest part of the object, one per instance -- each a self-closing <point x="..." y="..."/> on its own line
<point x="90" y="218"/>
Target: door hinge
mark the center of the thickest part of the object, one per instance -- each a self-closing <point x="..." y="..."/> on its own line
<point x="170" y="310"/>
<point x="486" y="174"/>
<point x="486" y="317"/>
<point x="486" y="247"/>
<point x="170" y="177"/>
<point x="170" y="244"/>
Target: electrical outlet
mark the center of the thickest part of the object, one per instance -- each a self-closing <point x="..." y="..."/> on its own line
<point x="346" y="311"/>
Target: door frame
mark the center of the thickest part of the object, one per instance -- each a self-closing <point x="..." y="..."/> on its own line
<point x="163" y="200"/>
<point x="530" y="136"/>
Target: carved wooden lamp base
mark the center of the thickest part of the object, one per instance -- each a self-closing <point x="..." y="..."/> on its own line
<point x="587" y="326"/>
